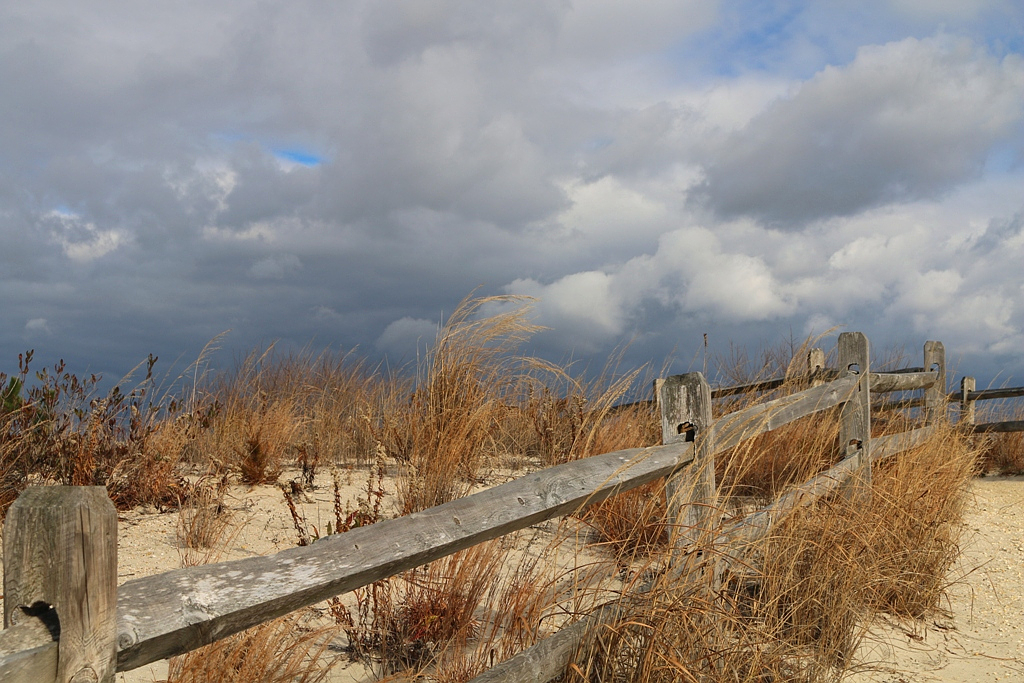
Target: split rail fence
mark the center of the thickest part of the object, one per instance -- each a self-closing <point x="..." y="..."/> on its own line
<point x="67" y="620"/>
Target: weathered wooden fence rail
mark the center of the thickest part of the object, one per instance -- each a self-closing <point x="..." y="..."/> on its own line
<point x="66" y="619"/>
<point x="967" y="396"/>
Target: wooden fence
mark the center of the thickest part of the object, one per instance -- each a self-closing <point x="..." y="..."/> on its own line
<point x="66" y="620"/>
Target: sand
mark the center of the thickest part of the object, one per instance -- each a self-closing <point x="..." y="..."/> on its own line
<point x="981" y="639"/>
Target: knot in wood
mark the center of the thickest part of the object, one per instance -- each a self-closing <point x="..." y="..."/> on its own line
<point x="86" y="675"/>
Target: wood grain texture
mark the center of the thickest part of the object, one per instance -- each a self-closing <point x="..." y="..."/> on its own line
<point x="999" y="427"/>
<point x="547" y="659"/>
<point x="164" y="615"/>
<point x="882" y="382"/>
<point x="754" y="526"/>
<point x="814" y="378"/>
<point x="734" y="428"/>
<point x="816" y="366"/>
<point x="989" y="394"/>
<point x="685" y="402"/>
<point x="855" y="421"/>
<point x="901" y="404"/>
<point x="181" y="610"/>
<point x="28" y="650"/>
<point x="817" y="375"/>
<point x="893" y="444"/>
<point x="739" y="389"/>
<point x="60" y="548"/>
<point x="967" y="400"/>
<point x="935" y="395"/>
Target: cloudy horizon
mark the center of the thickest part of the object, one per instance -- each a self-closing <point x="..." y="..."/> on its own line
<point x="342" y="174"/>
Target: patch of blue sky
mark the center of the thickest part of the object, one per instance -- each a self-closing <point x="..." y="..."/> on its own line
<point x="1002" y="43"/>
<point x="299" y="156"/>
<point x="747" y="36"/>
<point x="291" y="155"/>
<point x="791" y="38"/>
<point x="1006" y="158"/>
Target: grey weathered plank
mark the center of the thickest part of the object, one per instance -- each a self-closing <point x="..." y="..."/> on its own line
<point x="905" y="379"/>
<point x="902" y="404"/>
<point x="178" y="611"/>
<point x="818" y="373"/>
<point x="892" y="444"/>
<point x="164" y="615"/>
<point x="732" y="429"/>
<point x="902" y="371"/>
<point x="855" y="421"/>
<point x="817" y="376"/>
<point x="816" y="366"/>
<point x="547" y="659"/>
<point x="988" y="394"/>
<point x="967" y="407"/>
<point x="999" y="427"/>
<point x="882" y="382"/>
<point x="855" y="430"/>
<point x="685" y="402"/>
<point x="60" y="549"/>
<point x="935" y="395"/>
<point x="757" y="524"/>
<point x="762" y="385"/>
<point x="28" y="650"/>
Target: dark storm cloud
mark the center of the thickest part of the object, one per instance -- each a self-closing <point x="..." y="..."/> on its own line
<point x="148" y="201"/>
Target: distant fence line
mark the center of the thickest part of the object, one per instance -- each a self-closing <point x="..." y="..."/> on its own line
<point x="66" y="620"/>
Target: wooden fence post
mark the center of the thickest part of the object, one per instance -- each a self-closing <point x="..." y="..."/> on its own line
<point x="685" y="402"/>
<point x="935" y="395"/>
<point x="815" y="366"/>
<point x="60" y="549"/>
<point x="967" y="385"/>
<point x="855" y="429"/>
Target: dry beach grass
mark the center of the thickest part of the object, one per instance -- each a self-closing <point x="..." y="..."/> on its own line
<point x="287" y="448"/>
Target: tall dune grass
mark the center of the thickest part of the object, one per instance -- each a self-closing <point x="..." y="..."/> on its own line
<point x="795" y="605"/>
<point x="791" y="607"/>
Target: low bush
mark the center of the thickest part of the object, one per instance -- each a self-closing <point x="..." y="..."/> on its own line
<point x="1001" y="454"/>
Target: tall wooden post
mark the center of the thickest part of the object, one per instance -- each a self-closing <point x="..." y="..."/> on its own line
<point x="685" y="402"/>
<point x="855" y="429"/>
<point x="60" y="549"/>
<point x="935" y="395"/>
<point x="967" y="385"/>
<point x="816" y="366"/>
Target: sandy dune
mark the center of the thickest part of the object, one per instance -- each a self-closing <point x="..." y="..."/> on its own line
<point x="981" y="640"/>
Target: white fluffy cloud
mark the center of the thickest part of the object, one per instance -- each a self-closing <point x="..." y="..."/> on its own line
<point x="405" y="337"/>
<point x="906" y="120"/>
<point x="37" y="326"/>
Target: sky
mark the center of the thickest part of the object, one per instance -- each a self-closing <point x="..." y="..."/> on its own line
<point x="340" y="174"/>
